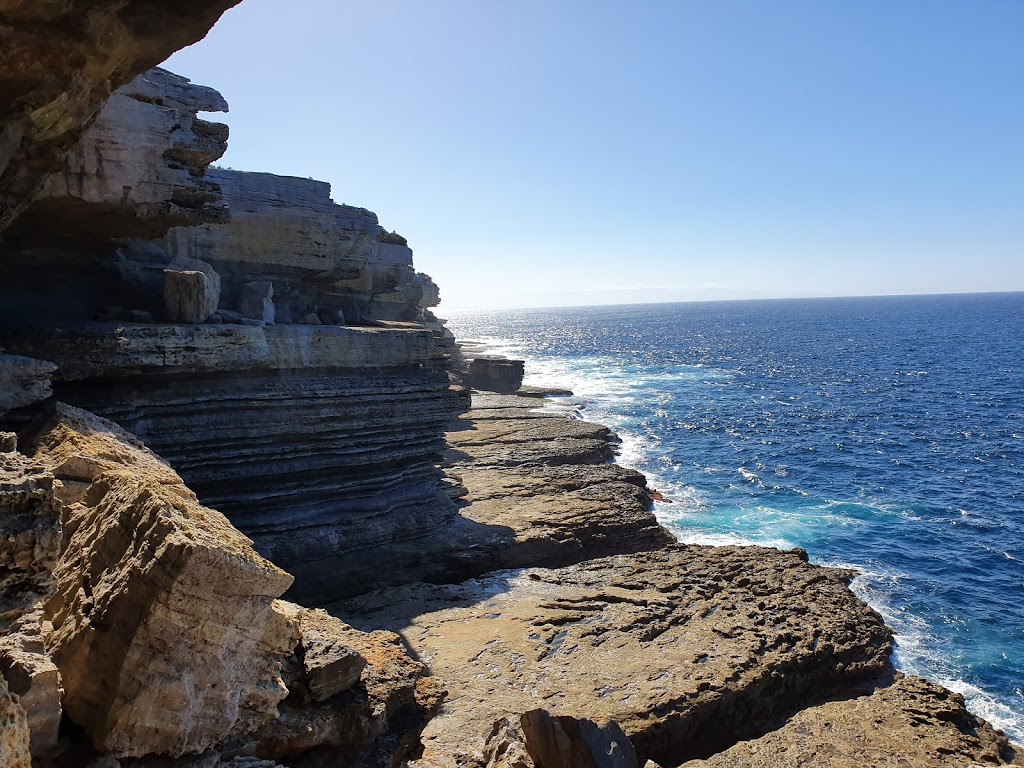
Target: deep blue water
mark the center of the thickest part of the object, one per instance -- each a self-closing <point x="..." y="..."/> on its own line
<point x="885" y="434"/>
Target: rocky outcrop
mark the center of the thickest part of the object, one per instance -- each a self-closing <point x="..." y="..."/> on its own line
<point x="912" y="724"/>
<point x="23" y="381"/>
<point x="29" y="533"/>
<point x="60" y="62"/>
<point x="540" y="740"/>
<point x="151" y="589"/>
<point x="32" y="675"/>
<point x="688" y="648"/>
<point x="74" y="254"/>
<point x="275" y="407"/>
<point x="374" y="721"/>
<point x="290" y="251"/>
<point x="14" y="733"/>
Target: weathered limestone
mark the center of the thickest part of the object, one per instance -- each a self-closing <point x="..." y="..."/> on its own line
<point x="687" y="648"/>
<point x="494" y="374"/>
<point x="320" y="257"/>
<point x="14" y="734"/>
<point x="29" y="534"/>
<point x="32" y="675"/>
<point x="191" y="290"/>
<point x="500" y="433"/>
<point x="327" y="662"/>
<point x="23" y="380"/>
<point x="540" y="740"/>
<point x="151" y="588"/>
<point x="376" y="721"/>
<point x="911" y="724"/>
<point x="101" y="349"/>
<point x="60" y="62"/>
<point x="138" y="171"/>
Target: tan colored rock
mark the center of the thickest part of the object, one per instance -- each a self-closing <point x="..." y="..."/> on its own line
<point x="14" y="734"/>
<point x="60" y="61"/>
<point x="375" y="722"/>
<point x="78" y="446"/>
<point x="152" y="588"/>
<point x="191" y="291"/>
<point x="29" y="535"/>
<point x="546" y="741"/>
<point x="911" y="724"/>
<point x="32" y="675"/>
<point x="687" y="648"/>
<point x="330" y="664"/>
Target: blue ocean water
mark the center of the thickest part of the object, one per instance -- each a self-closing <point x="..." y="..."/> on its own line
<point x="884" y="434"/>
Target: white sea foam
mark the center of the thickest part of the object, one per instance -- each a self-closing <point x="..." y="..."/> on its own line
<point x="915" y="647"/>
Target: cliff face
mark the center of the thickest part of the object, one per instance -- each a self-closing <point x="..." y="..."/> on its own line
<point x="278" y="349"/>
<point x="59" y="62"/>
<point x="269" y="342"/>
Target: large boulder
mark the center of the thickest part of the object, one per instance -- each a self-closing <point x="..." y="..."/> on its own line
<point x="191" y="290"/>
<point x="152" y="588"/>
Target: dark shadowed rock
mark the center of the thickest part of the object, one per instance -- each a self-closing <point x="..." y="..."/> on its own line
<point x="912" y="724"/>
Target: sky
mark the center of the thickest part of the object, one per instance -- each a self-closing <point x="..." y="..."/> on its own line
<point x="569" y="152"/>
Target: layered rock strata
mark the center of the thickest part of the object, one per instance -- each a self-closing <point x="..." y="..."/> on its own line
<point x="281" y="355"/>
<point x="163" y="635"/>
<point x="61" y="60"/>
<point x="152" y="587"/>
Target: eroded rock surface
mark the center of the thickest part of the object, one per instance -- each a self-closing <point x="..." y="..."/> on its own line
<point x="912" y="724"/>
<point x="687" y="648"/>
<point x="32" y="675"/>
<point x="60" y="61"/>
<point x="29" y="533"/>
<point x="374" y="721"/>
<point x="14" y="734"/>
<point x="151" y="588"/>
<point x="23" y="380"/>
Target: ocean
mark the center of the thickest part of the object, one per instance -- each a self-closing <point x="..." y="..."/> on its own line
<point x="882" y="434"/>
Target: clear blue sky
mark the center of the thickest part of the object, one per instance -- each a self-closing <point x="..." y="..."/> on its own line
<point x="582" y="151"/>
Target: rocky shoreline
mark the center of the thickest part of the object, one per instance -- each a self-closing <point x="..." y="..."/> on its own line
<point x="222" y="389"/>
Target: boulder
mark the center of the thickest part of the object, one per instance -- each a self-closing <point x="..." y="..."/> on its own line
<point x="151" y="588"/>
<point x="331" y="664"/>
<point x="377" y="721"/>
<point x="191" y="291"/>
<point x="494" y="374"/>
<point x="257" y="301"/>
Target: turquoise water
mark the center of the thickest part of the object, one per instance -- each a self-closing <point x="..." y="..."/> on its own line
<point x="885" y="434"/>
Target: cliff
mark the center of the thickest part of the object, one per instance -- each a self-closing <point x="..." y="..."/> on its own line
<point x="229" y="389"/>
<point x="290" y="318"/>
<point x="60" y="63"/>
